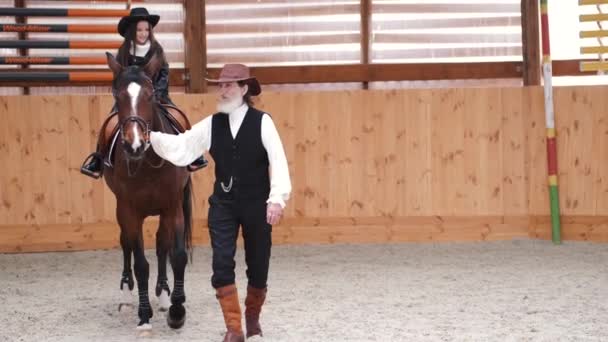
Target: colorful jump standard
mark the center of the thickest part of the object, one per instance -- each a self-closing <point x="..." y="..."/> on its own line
<point x="550" y="123"/>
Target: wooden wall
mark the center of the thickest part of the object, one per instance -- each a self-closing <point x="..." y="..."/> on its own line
<point x="366" y="166"/>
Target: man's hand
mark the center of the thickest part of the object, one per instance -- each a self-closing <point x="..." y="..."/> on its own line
<point x="274" y="212"/>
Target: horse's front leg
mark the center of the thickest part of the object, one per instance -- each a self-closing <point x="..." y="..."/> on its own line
<point x="163" y="244"/>
<point x="179" y="258"/>
<point x="131" y="224"/>
<point x="126" y="281"/>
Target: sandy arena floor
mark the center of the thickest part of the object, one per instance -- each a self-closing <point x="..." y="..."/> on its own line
<point x="491" y="291"/>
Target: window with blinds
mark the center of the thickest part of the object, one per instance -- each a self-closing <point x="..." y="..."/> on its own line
<point x="307" y="32"/>
<point x="283" y="32"/>
<point x="443" y="31"/>
<point x="314" y="32"/>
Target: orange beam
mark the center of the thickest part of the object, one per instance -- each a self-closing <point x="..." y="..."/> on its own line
<point x="85" y="44"/>
<point x="85" y="12"/>
<point x="90" y="76"/>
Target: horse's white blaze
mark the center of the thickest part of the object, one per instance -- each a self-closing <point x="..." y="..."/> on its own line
<point x="136" y="139"/>
<point x="164" y="301"/>
<point x="133" y="89"/>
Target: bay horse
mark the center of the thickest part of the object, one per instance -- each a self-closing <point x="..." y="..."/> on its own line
<point x="145" y="185"/>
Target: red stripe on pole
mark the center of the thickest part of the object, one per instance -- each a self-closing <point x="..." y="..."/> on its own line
<point x="544" y="19"/>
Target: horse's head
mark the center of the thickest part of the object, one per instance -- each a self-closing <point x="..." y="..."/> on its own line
<point x="136" y="103"/>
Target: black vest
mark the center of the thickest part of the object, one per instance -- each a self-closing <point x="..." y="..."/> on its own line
<point x="243" y="159"/>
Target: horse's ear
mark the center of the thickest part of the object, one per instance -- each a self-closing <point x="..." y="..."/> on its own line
<point x="153" y="65"/>
<point x="113" y="63"/>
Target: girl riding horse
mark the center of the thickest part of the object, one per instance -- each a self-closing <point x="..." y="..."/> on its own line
<point x="138" y="47"/>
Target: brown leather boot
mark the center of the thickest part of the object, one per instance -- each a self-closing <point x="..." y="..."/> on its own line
<point x="253" y="307"/>
<point x="229" y="301"/>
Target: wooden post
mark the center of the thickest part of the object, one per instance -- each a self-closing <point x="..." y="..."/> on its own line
<point x="366" y="14"/>
<point x="530" y="39"/>
<point x="196" y="49"/>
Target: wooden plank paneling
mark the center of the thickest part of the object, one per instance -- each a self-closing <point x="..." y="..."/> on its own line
<point x="404" y="165"/>
<point x="103" y="235"/>
<point x="535" y="128"/>
<point x="447" y="117"/>
<point x="579" y="228"/>
<point x="515" y="155"/>
<point x="574" y="141"/>
<point x="414" y="137"/>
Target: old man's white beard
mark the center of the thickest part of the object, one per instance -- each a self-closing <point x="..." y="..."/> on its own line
<point x="229" y="105"/>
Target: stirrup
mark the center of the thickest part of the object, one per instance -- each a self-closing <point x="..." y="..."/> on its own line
<point x="87" y="172"/>
<point x="196" y="166"/>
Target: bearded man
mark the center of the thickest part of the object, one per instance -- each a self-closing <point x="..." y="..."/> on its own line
<point x="251" y="187"/>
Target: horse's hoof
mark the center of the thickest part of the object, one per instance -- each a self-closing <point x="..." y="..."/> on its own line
<point x="144" y="333"/>
<point x="177" y="316"/>
<point x="144" y="327"/>
<point x="121" y="306"/>
<point x="163" y="301"/>
<point x="144" y="330"/>
<point x="126" y="299"/>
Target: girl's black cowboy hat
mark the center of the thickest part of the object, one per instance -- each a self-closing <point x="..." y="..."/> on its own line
<point x="137" y="14"/>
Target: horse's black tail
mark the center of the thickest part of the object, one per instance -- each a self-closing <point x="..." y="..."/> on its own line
<point x="187" y="206"/>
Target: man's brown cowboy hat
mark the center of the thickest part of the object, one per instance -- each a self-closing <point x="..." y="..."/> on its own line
<point x="136" y="15"/>
<point x="236" y="73"/>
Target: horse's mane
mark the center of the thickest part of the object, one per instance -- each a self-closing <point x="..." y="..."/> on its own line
<point x="130" y="74"/>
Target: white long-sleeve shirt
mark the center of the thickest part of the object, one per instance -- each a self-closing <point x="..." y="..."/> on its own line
<point x="184" y="148"/>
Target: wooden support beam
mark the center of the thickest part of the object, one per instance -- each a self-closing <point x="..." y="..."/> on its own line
<point x="366" y="18"/>
<point x="344" y="73"/>
<point x="196" y="49"/>
<point x="383" y="72"/>
<point x="530" y="37"/>
<point x="571" y="68"/>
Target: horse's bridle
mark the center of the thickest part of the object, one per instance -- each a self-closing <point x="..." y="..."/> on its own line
<point x="145" y="127"/>
<point x="143" y="124"/>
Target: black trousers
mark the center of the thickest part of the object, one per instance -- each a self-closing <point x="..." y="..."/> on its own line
<point x="225" y="218"/>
